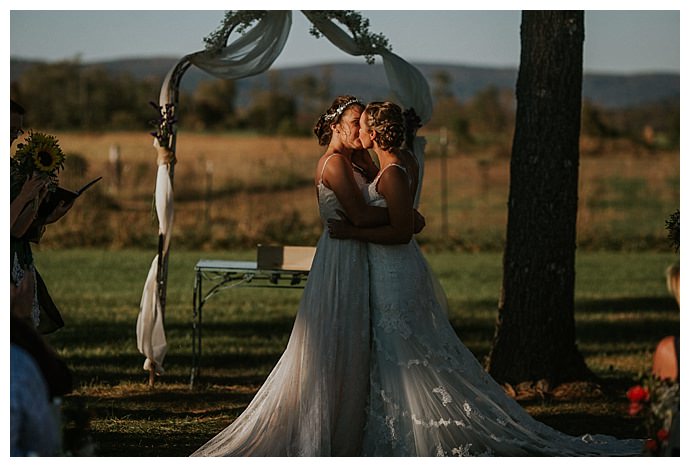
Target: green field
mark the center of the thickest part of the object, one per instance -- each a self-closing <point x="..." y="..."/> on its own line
<point x="622" y="310"/>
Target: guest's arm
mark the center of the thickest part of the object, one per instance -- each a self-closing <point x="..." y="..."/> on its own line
<point x="24" y="207"/>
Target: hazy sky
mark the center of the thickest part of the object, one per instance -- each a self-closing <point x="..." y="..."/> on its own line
<point x="616" y="41"/>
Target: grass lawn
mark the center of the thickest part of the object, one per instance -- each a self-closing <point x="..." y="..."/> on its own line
<point x="622" y="310"/>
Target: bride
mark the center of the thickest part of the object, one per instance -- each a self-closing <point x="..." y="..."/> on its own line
<point x="429" y="396"/>
<point x="313" y="402"/>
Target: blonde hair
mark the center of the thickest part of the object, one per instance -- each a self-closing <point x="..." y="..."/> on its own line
<point x="388" y="121"/>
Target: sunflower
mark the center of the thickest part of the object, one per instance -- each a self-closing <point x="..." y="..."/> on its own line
<point x="38" y="153"/>
<point x="47" y="158"/>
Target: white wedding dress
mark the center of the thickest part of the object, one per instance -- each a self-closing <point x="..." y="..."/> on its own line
<point x="429" y="395"/>
<point x="313" y="402"/>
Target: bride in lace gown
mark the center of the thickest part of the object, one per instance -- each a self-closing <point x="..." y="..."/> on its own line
<point x="313" y="402"/>
<point x="429" y="395"/>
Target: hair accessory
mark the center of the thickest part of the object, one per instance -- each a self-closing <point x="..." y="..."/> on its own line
<point x="341" y="108"/>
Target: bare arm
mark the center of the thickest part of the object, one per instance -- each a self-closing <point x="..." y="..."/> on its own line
<point x="24" y="207"/>
<point x="393" y="185"/>
<point x="664" y="363"/>
<point x="338" y="176"/>
<point x="23" y="222"/>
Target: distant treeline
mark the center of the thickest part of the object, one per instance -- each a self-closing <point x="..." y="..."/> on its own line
<point x="70" y="96"/>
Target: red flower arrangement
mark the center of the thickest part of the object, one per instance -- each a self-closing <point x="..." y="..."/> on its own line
<point x="637" y="395"/>
<point x="657" y="401"/>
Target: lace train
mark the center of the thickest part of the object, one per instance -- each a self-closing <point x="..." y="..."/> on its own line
<point x="429" y="395"/>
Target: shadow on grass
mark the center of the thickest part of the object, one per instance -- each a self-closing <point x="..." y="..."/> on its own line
<point x="169" y="444"/>
<point x="275" y="328"/>
<point x="99" y="334"/>
<point x="214" y="369"/>
<point x="228" y="377"/>
<point x="626" y="304"/>
<point x="149" y="409"/>
<point x="623" y="304"/>
<point x="218" y="363"/>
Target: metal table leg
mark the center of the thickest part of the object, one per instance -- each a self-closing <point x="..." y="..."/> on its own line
<point x="196" y="327"/>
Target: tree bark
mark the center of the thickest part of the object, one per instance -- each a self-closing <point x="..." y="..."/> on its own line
<point x="535" y="329"/>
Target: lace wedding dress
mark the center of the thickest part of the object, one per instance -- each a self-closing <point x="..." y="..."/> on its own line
<point x="313" y="402"/>
<point x="429" y="396"/>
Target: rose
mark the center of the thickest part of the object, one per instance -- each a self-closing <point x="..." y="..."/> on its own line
<point x="656" y="402"/>
<point x="637" y="393"/>
<point x="634" y="409"/>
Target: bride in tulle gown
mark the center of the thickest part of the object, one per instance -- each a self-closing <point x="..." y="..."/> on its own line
<point x="429" y="396"/>
<point x="313" y="401"/>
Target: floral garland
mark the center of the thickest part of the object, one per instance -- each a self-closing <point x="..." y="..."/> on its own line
<point x="358" y="26"/>
<point x="39" y="154"/>
<point x="240" y="19"/>
<point x="367" y="41"/>
<point x="656" y="401"/>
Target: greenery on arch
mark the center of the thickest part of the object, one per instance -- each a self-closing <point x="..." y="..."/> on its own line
<point x="367" y="41"/>
<point x="241" y="20"/>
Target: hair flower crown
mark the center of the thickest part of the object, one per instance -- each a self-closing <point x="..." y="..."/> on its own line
<point x="341" y="108"/>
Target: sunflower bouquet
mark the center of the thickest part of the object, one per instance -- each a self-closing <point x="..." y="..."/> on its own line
<point x="39" y="154"/>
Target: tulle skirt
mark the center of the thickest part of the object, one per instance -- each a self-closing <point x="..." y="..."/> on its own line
<point x="314" y="400"/>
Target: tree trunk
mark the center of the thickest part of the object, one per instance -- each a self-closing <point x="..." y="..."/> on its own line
<point x="535" y="329"/>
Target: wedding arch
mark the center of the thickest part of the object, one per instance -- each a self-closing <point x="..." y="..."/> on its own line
<point x="260" y="38"/>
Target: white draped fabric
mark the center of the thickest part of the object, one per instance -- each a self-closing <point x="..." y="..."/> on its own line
<point x="406" y="82"/>
<point x="250" y="54"/>
<point x="150" y="329"/>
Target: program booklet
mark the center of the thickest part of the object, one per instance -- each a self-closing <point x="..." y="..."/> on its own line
<point x="62" y="194"/>
<point x="33" y="234"/>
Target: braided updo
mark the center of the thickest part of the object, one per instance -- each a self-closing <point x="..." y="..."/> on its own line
<point x="388" y="121"/>
<point x="322" y="129"/>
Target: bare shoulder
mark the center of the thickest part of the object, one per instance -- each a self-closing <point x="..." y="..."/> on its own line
<point x="335" y="161"/>
<point x="326" y="160"/>
<point x="664" y="364"/>
<point x="332" y="166"/>
<point x="394" y="173"/>
<point x="397" y="167"/>
<point x="667" y="346"/>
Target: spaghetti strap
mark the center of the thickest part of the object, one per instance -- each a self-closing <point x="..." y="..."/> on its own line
<point x="397" y="165"/>
<point x="323" y="167"/>
<point x="375" y="182"/>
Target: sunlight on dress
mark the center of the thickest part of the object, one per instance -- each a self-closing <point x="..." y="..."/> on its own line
<point x="313" y="402"/>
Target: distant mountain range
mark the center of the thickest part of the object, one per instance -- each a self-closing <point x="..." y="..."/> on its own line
<point x="369" y="81"/>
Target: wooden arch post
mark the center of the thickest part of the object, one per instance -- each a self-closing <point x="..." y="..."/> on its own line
<point x="168" y="101"/>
